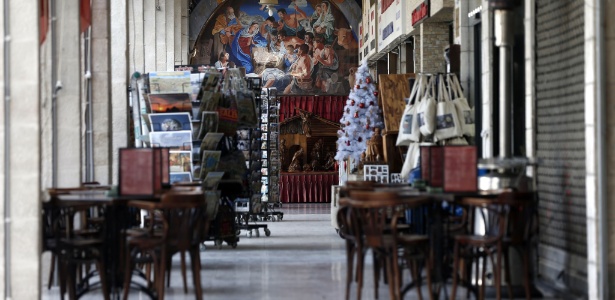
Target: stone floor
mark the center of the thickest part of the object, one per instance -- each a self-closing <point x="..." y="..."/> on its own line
<point x="303" y="258"/>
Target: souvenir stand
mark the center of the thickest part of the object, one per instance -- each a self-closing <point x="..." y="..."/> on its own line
<point x="270" y="126"/>
<point x="245" y="94"/>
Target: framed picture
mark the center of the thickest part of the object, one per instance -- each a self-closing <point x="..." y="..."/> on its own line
<point x="169" y="82"/>
<point x="180" y="161"/>
<point x="176" y="140"/>
<point x="209" y="123"/>
<point x="209" y="162"/>
<point x="181" y="177"/>
<point x="170" y="103"/>
<point x="170" y="121"/>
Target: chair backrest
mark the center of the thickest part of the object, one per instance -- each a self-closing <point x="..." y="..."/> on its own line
<point x="184" y="217"/>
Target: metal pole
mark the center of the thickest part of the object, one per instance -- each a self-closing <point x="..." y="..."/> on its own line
<point x="7" y="152"/>
<point x="89" y="137"/>
<point x="504" y="40"/>
<point x="55" y="87"/>
<point x="601" y="154"/>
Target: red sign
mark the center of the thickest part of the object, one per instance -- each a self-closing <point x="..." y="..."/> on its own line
<point x="421" y="12"/>
<point x="384" y="4"/>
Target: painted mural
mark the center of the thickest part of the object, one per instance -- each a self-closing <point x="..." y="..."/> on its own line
<point x="298" y="46"/>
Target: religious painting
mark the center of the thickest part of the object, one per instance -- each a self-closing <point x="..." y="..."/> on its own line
<point x="301" y="47"/>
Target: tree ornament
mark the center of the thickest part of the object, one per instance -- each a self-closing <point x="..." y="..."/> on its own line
<point x="371" y="103"/>
<point x="360" y="139"/>
<point x="347" y="143"/>
<point x="368" y="80"/>
<point x="356" y="114"/>
<point x="361" y="105"/>
<point x="352" y="102"/>
<point x="376" y="93"/>
<point x="367" y="126"/>
<point x="357" y="86"/>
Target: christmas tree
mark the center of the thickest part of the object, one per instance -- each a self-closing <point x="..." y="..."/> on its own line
<point x="361" y="116"/>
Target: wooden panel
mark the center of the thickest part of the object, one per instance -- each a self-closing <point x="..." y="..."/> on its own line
<point x="392" y="153"/>
<point x="393" y="89"/>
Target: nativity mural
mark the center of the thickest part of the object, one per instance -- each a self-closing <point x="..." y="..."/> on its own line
<point x="298" y="46"/>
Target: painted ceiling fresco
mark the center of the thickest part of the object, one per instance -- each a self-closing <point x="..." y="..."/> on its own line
<point x="300" y="46"/>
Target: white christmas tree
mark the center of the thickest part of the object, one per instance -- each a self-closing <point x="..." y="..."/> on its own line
<point x="361" y="116"/>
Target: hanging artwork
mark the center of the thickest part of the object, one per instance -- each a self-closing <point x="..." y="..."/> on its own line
<point x="298" y="46"/>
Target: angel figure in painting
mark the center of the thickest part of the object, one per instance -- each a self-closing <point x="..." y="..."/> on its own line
<point x="283" y="152"/>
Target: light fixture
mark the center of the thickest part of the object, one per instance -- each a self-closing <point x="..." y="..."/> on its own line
<point x="268" y="2"/>
<point x="270" y="10"/>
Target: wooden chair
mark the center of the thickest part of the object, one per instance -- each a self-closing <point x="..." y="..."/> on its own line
<point x="377" y="215"/>
<point x="76" y="246"/>
<point x="506" y="220"/>
<point x="177" y="225"/>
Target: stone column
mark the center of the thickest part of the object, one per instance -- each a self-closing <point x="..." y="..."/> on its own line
<point x="169" y="15"/>
<point x="119" y="79"/>
<point x="24" y="166"/>
<point x="434" y="38"/>
<point x="101" y="91"/>
<point x="68" y="103"/>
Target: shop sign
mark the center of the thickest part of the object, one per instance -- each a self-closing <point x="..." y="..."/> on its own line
<point x="421" y="12"/>
<point x="387" y="31"/>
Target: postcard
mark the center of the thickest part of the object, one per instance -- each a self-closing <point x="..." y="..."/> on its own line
<point x="196" y="80"/>
<point x="211" y="141"/>
<point x="209" y="123"/>
<point x="180" y="161"/>
<point x="210" y="83"/>
<point x="246" y="113"/>
<point x="196" y="170"/>
<point x="180" y="177"/>
<point x="246" y="154"/>
<point x="196" y="150"/>
<point x="264" y="127"/>
<point x="243" y="134"/>
<point x="243" y="145"/>
<point x="176" y="140"/>
<point x="169" y="82"/>
<point x="170" y="121"/>
<point x="211" y="180"/>
<point x="170" y="103"/>
<point x="209" y="162"/>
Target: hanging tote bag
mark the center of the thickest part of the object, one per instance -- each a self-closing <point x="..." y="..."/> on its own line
<point x="409" y="126"/>
<point x="427" y="109"/>
<point x="447" y="121"/>
<point x="465" y="113"/>
<point x="411" y="161"/>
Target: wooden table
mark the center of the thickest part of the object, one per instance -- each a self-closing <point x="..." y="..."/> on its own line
<point x="117" y="218"/>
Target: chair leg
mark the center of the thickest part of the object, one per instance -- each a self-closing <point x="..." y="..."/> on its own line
<point x="127" y="274"/>
<point x="507" y="272"/>
<point x="416" y="277"/>
<point x="481" y="293"/>
<point x="71" y="282"/>
<point x="103" y="279"/>
<point x="498" y="272"/>
<point x="51" y="270"/>
<point x="360" y="264"/>
<point x="183" y="266"/>
<point x="349" y="266"/>
<point x="455" y="269"/>
<point x="377" y="266"/>
<point x="389" y="274"/>
<point x="526" y="272"/>
<point x="428" y="266"/>
<point x="195" y="261"/>
<point x="161" y="273"/>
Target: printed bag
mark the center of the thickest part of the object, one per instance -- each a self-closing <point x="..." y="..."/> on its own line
<point x="464" y="112"/>
<point x="409" y="126"/>
<point x="426" y="111"/>
<point x="447" y="120"/>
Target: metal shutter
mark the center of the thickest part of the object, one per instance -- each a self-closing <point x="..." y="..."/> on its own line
<point x="560" y="142"/>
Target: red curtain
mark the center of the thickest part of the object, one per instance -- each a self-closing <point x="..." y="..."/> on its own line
<point x="85" y="11"/>
<point x="44" y="20"/>
<point x="327" y="107"/>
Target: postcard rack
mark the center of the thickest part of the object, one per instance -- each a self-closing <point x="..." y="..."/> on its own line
<point x="250" y="140"/>
<point x="271" y="160"/>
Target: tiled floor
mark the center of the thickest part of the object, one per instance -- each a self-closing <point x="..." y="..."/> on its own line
<point x="302" y="259"/>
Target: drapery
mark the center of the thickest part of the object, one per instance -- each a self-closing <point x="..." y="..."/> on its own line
<point x="327" y="107"/>
<point x="307" y="187"/>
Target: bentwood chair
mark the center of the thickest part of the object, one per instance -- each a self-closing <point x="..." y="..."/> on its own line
<point x="176" y="224"/>
<point x="377" y="215"/>
<point x="507" y="222"/>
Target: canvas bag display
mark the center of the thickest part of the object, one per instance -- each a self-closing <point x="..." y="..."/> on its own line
<point x="411" y="161"/>
<point x="464" y="112"/>
<point x="426" y="110"/>
<point x="409" y="126"/>
<point x="447" y="120"/>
